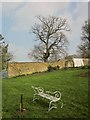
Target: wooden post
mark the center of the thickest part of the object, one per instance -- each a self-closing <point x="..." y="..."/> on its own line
<point x="21" y="104"/>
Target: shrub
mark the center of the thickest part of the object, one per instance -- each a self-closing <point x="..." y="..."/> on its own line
<point x="84" y="67"/>
<point x="51" y="68"/>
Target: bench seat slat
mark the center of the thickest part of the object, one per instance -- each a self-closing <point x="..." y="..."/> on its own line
<point x="47" y="96"/>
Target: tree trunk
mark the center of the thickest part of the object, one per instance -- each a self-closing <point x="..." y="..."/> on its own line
<point x="46" y="56"/>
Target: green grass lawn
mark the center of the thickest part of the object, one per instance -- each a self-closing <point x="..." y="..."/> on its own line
<point x="74" y="91"/>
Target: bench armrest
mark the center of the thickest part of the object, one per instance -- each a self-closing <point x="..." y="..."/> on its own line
<point x="56" y="94"/>
<point x="38" y="89"/>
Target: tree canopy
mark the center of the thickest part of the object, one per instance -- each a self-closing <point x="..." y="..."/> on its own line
<point x="52" y="39"/>
<point x="5" y="56"/>
<point x="84" y="48"/>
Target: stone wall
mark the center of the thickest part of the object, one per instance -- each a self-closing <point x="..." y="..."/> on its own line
<point x="60" y="63"/>
<point x="16" y="69"/>
<point x="86" y="62"/>
<point x="25" y="68"/>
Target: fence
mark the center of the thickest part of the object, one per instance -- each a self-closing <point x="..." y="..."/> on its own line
<point x="4" y="74"/>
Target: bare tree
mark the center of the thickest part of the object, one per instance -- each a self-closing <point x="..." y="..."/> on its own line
<point x="1" y="37"/>
<point x="84" y="48"/>
<point x="5" y="56"/>
<point x="37" y="53"/>
<point x="51" y="37"/>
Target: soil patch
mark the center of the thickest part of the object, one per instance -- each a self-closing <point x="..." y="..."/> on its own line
<point x="87" y="74"/>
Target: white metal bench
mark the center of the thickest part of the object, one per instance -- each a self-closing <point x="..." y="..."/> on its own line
<point x="51" y="96"/>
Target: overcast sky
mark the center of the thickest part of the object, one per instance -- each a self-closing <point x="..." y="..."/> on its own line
<point x="19" y="17"/>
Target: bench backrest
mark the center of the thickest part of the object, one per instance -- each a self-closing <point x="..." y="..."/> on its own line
<point x="39" y="90"/>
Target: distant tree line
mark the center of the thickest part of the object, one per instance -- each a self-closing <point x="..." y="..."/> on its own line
<point x="52" y="41"/>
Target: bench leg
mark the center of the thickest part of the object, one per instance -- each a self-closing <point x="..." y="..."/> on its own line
<point x="51" y="105"/>
<point x="61" y="103"/>
<point x="34" y="97"/>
